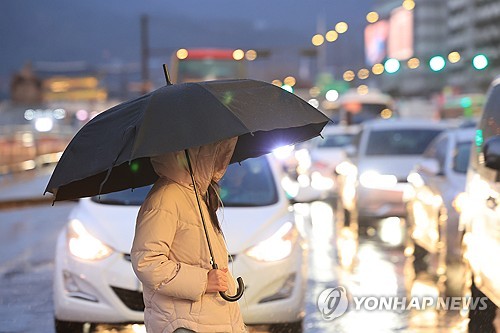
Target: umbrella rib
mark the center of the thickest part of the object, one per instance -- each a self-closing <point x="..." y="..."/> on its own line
<point x="218" y="101"/>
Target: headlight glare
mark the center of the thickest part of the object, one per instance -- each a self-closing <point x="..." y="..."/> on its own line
<point x="277" y="247"/>
<point x="83" y="245"/>
<point x="372" y="179"/>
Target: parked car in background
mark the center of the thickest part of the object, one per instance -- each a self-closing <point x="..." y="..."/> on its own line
<point x="434" y="203"/>
<point x="94" y="281"/>
<point x="372" y="182"/>
<point x="326" y="153"/>
<point x="480" y="218"/>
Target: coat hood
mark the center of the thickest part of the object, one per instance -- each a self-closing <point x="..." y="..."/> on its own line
<point x="209" y="163"/>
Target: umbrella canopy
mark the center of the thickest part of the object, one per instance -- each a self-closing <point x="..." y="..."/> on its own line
<point x="111" y="152"/>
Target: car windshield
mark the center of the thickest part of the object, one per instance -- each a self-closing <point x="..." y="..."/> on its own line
<point x="399" y="141"/>
<point x="248" y="184"/>
<point x="461" y="157"/>
<point x="335" y="141"/>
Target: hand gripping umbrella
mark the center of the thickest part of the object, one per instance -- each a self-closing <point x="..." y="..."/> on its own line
<point x="112" y="151"/>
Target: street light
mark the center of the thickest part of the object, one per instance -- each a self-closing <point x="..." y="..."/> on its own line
<point x="392" y="65"/>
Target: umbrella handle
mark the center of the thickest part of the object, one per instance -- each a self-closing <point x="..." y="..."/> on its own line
<point x="239" y="292"/>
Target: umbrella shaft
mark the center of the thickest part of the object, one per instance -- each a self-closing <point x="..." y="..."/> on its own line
<point x="212" y="262"/>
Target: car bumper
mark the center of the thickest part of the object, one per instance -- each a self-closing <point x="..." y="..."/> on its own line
<point x="274" y="290"/>
<point x="95" y="291"/>
<point x="108" y="291"/>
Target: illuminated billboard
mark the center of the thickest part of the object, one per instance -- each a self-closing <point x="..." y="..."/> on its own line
<point x="376" y="42"/>
<point x="400" y="42"/>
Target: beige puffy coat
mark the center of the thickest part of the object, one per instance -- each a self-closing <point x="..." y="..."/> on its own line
<point x="170" y="254"/>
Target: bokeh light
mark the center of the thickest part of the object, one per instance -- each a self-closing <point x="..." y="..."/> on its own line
<point x="392" y="65"/>
<point x="314" y="91"/>
<point x="386" y="113"/>
<point x="182" y="54"/>
<point x="277" y="83"/>
<point x="363" y="74"/>
<point x="238" y="54"/>
<point x="290" y="80"/>
<point x="318" y="39"/>
<point x="341" y="27"/>
<point x="251" y="55"/>
<point x="480" y="61"/>
<point x="332" y="95"/>
<point x="348" y="75"/>
<point x="437" y="63"/>
<point x="413" y="63"/>
<point x="363" y="89"/>
<point x="454" y="57"/>
<point x="378" y="69"/>
<point x="372" y="17"/>
<point x="332" y="36"/>
<point x="408" y="4"/>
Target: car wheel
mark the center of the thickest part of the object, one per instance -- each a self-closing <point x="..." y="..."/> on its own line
<point x="68" y="326"/>
<point x="480" y="320"/>
<point x="295" y="327"/>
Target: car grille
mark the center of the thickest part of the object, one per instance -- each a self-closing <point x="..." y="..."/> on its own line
<point x="131" y="298"/>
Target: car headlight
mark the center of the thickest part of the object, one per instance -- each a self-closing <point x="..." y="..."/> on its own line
<point x="372" y="179"/>
<point x="459" y="202"/>
<point x="277" y="247"/>
<point x="83" y="245"/>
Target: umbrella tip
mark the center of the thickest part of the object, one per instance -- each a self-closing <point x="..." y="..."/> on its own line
<point x="167" y="76"/>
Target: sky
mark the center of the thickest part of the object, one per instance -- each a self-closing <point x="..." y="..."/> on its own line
<point x="108" y="32"/>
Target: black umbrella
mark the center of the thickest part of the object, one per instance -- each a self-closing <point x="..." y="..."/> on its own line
<point x="112" y="151"/>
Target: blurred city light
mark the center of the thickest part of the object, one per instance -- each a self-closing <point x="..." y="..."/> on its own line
<point x="332" y="95"/>
<point x="251" y="55"/>
<point x="363" y="74"/>
<point x="318" y="39"/>
<point x="182" y="54"/>
<point x="378" y="69"/>
<point x="437" y="63"/>
<point x="372" y="17"/>
<point x="314" y="102"/>
<point x="349" y="76"/>
<point x="287" y="88"/>
<point x="454" y="57"/>
<point x="341" y="27"/>
<point x="363" y="89"/>
<point x="290" y="80"/>
<point x="392" y="65"/>
<point x="386" y="113"/>
<point x="332" y="36"/>
<point x="408" y="4"/>
<point x="314" y="91"/>
<point x="277" y="83"/>
<point x="238" y="54"/>
<point x="480" y="62"/>
<point x="413" y="63"/>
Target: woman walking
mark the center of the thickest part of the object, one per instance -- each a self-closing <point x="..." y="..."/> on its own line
<point x="170" y="255"/>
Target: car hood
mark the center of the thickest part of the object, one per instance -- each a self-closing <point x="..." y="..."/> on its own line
<point x="113" y="225"/>
<point x="242" y="226"/>
<point x="399" y="166"/>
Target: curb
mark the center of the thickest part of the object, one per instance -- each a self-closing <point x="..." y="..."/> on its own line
<point x="27" y="202"/>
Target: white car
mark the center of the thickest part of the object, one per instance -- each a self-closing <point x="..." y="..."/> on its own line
<point x="94" y="281"/>
<point x="434" y="203"/>
<point x="376" y="176"/>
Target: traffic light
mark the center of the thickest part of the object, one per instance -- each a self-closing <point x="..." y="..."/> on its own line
<point x="480" y="62"/>
<point x="437" y="63"/>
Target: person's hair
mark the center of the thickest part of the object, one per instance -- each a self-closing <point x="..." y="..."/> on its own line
<point x="213" y="203"/>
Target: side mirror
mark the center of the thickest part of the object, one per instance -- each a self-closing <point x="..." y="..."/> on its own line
<point x="430" y="166"/>
<point x="491" y="152"/>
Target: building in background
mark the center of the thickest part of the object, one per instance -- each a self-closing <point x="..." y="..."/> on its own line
<point x="442" y="47"/>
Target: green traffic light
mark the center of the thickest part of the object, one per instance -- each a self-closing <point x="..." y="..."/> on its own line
<point x="480" y="62"/>
<point x="437" y="63"/>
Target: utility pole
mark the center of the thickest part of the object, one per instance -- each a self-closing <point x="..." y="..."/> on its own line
<point x="145" y="54"/>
